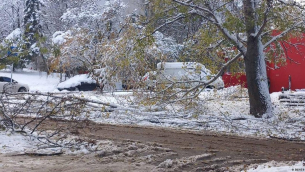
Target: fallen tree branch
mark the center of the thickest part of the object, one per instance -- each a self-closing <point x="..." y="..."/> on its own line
<point x="39" y="154"/>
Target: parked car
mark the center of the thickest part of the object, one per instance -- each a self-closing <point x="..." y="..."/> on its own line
<point x="190" y="72"/>
<point x="81" y="82"/>
<point x="10" y="85"/>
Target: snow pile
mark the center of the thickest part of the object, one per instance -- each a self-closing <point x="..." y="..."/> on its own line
<point x="277" y="167"/>
<point x="76" y="80"/>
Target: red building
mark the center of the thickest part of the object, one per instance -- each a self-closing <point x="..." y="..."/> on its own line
<point x="287" y="74"/>
<point x="236" y="79"/>
<point x="293" y="68"/>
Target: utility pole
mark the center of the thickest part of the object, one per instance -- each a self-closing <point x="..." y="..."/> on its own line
<point x="12" y="67"/>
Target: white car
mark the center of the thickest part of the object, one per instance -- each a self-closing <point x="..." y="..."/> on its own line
<point x="9" y="85"/>
<point x="168" y="72"/>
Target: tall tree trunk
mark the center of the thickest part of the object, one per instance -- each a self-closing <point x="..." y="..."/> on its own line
<point x="259" y="97"/>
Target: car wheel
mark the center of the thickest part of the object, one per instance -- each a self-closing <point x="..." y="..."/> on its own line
<point x="22" y="89"/>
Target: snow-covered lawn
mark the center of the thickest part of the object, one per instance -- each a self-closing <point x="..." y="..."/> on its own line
<point x="37" y="81"/>
<point x="222" y="111"/>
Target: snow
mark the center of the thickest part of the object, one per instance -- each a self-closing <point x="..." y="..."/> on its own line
<point x="173" y="164"/>
<point x="277" y="167"/>
<point x="15" y="34"/>
<point x="76" y="80"/>
<point x="34" y="48"/>
<point x="60" y="37"/>
<point x="166" y="45"/>
<point x="15" y="143"/>
<point x="220" y="111"/>
<point x="90" y="12"/>
<point x="37" y="81"/>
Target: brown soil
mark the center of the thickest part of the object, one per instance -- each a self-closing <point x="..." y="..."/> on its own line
<point x="148" y="149"/>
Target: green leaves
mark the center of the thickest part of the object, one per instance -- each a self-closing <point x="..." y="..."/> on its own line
<point x="233" y="23"/>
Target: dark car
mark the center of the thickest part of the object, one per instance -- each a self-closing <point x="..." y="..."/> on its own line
<point x="78" y="83"/>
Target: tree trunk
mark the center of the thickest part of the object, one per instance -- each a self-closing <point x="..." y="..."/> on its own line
<point x="259" y="97"/>
<point x="18" y="17"/>
<point x="13" y="13"/>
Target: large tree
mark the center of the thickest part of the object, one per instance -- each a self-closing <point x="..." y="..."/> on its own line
<point x="33" y="34"/>
<point x="32" y="20"/>
<point x="238" y="29"/>
<point x="92" y="27"/>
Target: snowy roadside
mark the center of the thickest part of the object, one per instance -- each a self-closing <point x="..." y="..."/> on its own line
<point x="216" y="114"/>
<point x="221" y="111"/>
<point x="18" y="144"/>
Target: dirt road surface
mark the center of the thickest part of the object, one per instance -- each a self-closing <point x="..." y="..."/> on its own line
<point x="134" y="148"/>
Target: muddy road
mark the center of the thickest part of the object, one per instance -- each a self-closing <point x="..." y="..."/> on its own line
<point x="156" y="149"/>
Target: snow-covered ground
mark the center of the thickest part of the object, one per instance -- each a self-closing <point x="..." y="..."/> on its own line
<point x="277" y="167"/>
<point x="37" y="81"/>
<point x="15" y="143"/>
<point x="222" y="111"/>
<point x="219" y="111"/>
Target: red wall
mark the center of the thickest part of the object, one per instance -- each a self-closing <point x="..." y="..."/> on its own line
<point x="232" y="80"/>
<point x="294" y="66"/>
<point x="279" y="76"/>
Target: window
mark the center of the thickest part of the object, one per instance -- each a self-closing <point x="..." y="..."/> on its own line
<point x="6" y="79"/>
